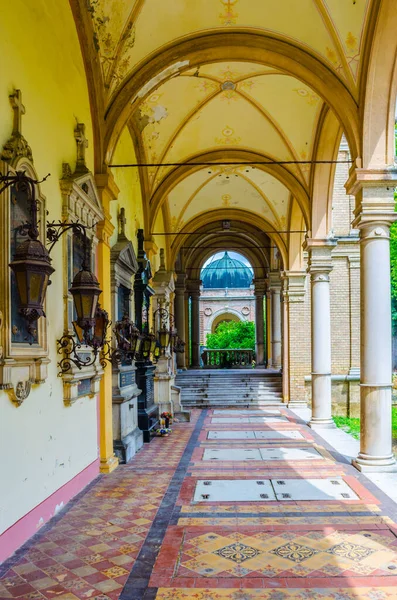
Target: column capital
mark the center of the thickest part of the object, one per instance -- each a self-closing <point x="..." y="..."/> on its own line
<point x="370" y="178"/>
<point x="193" y="286"/>
<point x="274" y="281"/>
<point x="107" y="188"/>
<point x="294" y="286"/>
<point x="180" y="283"/>
<point x="374" y="191"/>
<point x="260" y="284"/>
<point x="320" y="260"/>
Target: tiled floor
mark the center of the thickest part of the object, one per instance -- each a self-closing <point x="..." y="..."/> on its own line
<point x="191" y="518"/>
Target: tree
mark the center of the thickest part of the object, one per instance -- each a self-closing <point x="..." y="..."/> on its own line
<point x="232" y="334"/>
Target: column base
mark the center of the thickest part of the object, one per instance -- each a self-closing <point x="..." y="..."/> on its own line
<point x="322" y="424"/>
<point x="107" y="465"/>
<point x="297" y="404"/>
<point x="375" y="464"/>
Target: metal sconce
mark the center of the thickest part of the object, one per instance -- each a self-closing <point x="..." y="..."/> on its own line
<point x="167" y="336"/>
<point x="32" y="268"/>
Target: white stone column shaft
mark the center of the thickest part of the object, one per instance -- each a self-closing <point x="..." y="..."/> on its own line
<point x="375" y="212"/>
<point x="260" y="286"/>
<point x="275" y="288"/>
<point x="320" y="266"/>
<point x="375" y="360"/>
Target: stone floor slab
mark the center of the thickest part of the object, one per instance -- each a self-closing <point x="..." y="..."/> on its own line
<point x="253" y="420"/>
<point x="313" y="489"/>
<point x="232" y="454"/>
<point x="248" y="412"/>
<point x="231" y="435"/>
<point x="278" y="435"/>
<point x="228" y="490"/>
<point x="290" y="454"/>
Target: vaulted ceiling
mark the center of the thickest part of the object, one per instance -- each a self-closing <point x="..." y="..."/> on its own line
<point x="226" y="106"/>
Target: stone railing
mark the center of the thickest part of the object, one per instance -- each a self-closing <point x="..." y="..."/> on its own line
<point x="227" y="359"/>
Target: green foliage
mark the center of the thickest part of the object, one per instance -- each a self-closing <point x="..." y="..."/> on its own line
<point x="232" y="334"/>
<point x="352" y="424"/>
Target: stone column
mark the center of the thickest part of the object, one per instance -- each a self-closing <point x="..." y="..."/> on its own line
<point x="108" y="191"/>
<point x="319" y="267"/>
<point x="268" y="328"/>
<point x="260" y="288"/>
<point x="295" y="347"/>
<point x="194" y="291"/>
<point x="180" y="316"/>
<point x="374" y="215"/>
<point x="285" y="333"/>
<point x="275" y="289"/>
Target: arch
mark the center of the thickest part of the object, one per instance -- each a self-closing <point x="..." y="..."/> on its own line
<point x="329" y="134"/>
<point x="242" y="216"/>
<point x="280" y="172"/>
<point x="224" y="315"/>
<point x="236" y="44"/>
<point x="379" y="88"/>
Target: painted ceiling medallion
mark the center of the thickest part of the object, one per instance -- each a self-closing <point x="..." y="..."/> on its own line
<point x="228" y="85"/>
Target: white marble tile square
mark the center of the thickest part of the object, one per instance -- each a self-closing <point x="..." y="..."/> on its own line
<point x="232" y="454"/>
<point x="313" y="489"/>
<point x="278" y="435"/>
<point x="225" y="490"/>
<point x="231" y="435"/>
<point x="256" y="413"/>
<point x="290" y="454"/>
<point x="253" y="420"/>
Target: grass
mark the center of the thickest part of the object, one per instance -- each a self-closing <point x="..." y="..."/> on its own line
<point x="352" y="424"/>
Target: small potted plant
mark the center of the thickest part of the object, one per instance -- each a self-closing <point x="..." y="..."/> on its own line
<point x="167" y="416"/>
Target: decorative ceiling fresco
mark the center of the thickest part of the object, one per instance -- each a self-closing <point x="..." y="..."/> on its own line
<point x="226" y="110"/>
<point x="127" y="31"/>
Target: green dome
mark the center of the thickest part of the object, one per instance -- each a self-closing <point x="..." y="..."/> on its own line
<point x="226" y="273"/>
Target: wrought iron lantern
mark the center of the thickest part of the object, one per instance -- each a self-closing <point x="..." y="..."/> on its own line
<point x="31" y="264"/>
<point x="128" y="338"/>
<point x="164" y="337"/>
<point x="85" y="291"/>
<point x="148" y="344"/>
<point x="179" y="345"/>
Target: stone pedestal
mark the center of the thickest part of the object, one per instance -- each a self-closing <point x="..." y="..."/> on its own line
<point x="163" y="381"/>
<point x="127" y="437"/>
<point x="148" y="411"/>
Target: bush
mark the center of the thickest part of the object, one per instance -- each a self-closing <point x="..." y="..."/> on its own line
<point x="232" y="334"/>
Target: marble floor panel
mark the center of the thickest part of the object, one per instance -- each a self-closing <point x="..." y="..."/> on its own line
<point x="229" y="490"/>
<point x="253" y="420"/>
<point x="250" y="435"/>
<point x="235" y="505"/>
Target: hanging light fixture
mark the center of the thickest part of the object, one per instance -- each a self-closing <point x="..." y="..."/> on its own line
<point x="31" y="263"/>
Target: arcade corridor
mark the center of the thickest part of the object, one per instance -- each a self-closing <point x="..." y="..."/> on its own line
<point x="305" y="524"/>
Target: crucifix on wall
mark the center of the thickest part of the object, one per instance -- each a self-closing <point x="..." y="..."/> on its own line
<point x="82" y="145"/>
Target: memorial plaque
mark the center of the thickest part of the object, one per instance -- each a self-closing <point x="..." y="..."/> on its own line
<point x="127" y="378"/>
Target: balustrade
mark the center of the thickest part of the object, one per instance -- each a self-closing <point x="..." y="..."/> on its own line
<point x="227" y="358"/>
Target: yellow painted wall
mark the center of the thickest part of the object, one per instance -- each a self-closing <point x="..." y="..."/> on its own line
<point x="44" y="444"/>
<point x="130" y="196"/>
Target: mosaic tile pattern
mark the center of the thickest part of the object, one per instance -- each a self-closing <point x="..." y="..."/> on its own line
<point x="138" y="534"/>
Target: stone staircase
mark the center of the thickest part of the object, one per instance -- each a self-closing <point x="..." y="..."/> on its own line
<point x="229" y="387"/>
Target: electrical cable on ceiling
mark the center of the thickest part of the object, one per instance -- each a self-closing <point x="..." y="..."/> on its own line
<point x="234" y="163"/>
<point x="223" y="231"/>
